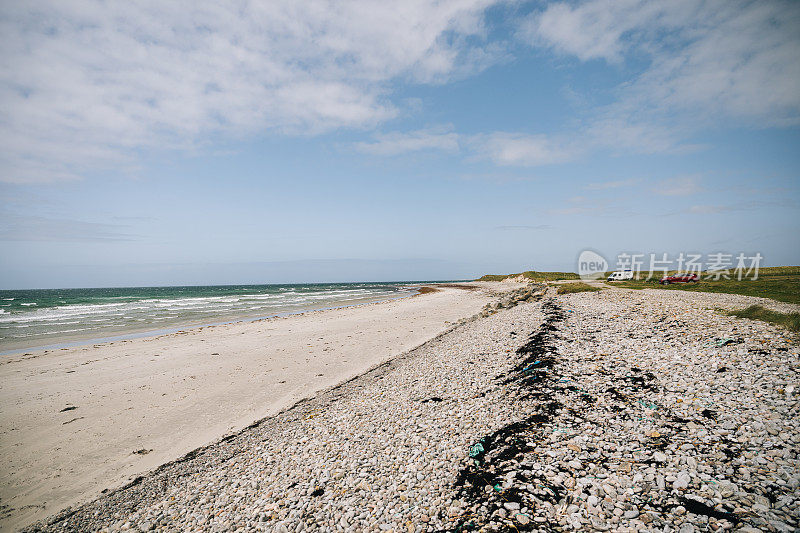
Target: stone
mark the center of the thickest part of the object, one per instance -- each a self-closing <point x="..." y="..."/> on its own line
<point x="782" y="527"/>
<point x="682" y="481"/>
<point x="726" y="489"/>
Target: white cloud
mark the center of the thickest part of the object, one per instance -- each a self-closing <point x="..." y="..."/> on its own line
<point x="84" y="83"/>
<point x="582" y="205"/>
<point x="499" y="177"/>
<point x="538" y="227"/>
<point x="706" y="62"/>
<point x="678" y="186"/>
<point x="708" y="209"/>
<point x="620" y="130"/>
<point x="399" y="143"/>
<point x="36" y="228"/>
<point x="596" y="210"/>
<point x="616" y="184"/>
<point x="592" y="30"/>
<point x="742" y="62"/>
<point x="751" y="205"/>
<point x="502" y="148"/>
<point x="520" y="149"/>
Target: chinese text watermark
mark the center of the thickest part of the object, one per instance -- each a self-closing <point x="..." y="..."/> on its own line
<point x="712" y="267"/>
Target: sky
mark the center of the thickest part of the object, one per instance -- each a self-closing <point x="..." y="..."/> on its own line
<point x="171" y="143"/>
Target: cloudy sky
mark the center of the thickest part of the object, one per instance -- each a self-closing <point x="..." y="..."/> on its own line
<point x="149" y="142"/>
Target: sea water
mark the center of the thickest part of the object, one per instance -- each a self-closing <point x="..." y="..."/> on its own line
<point x="46" y="317"/>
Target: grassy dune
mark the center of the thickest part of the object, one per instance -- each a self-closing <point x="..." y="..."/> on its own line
<point x="532" y="275"/>
<point x="779" y="283"/>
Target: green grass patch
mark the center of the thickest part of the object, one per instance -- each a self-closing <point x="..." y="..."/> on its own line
<point x="533" y="276"/>
<point x="779" y="283"/>
<point x="763" y="272"/>
<point x="790" y="321"/>
<point x="570" y="288"/>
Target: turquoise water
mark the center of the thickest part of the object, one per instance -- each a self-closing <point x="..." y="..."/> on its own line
<point x="40" y="317"/>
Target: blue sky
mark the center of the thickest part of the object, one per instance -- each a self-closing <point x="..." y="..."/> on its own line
<point x="148" y="144"/>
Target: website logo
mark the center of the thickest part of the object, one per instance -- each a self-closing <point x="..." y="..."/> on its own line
<point x="591" y="265"/>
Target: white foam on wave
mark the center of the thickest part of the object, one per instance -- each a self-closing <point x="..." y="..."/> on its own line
<point x="59" y="313"/>
<point x="263" y="296"/>
<point x="131" y="311"/>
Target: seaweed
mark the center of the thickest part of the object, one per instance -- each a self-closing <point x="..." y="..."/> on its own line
<point x="496" y="455"/>
<point x="698" y="507"/>
<point x="434" y="399"/>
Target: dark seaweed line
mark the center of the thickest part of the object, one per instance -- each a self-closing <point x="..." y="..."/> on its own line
<point x="493" y="454"/>
<point x="533" y="376"/>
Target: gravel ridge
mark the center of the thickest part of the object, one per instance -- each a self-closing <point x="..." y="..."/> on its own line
<point x="654" y="413"/>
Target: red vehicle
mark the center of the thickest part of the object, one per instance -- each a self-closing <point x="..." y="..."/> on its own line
<point x="680" y="278"/>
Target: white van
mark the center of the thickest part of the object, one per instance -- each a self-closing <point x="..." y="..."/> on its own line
<point x="621" y="275"/>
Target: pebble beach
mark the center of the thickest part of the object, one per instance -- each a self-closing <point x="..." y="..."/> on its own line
<point x="616" y="410"/>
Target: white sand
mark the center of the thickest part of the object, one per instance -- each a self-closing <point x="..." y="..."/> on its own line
<point x="171" y="394"/>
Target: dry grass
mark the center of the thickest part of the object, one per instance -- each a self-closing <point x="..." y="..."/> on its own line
<point x="570" y="288"/>
<point x="427" y="290"/>
<point x="790" y="321"/>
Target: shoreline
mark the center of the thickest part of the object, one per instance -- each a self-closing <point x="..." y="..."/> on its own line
<point x="70" y="430"/>
<point x="121" y="335"/>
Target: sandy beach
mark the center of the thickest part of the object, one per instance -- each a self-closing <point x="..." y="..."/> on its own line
<point x="78" y="421"/>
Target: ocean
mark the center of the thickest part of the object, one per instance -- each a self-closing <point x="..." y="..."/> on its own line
<point x="42" y="318"/>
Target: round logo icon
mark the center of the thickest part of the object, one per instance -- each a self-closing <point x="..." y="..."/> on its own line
<point x="591" y="265"/>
